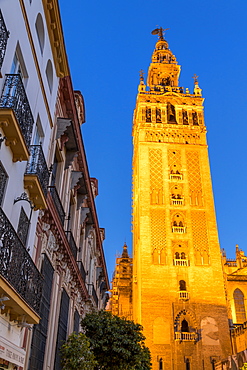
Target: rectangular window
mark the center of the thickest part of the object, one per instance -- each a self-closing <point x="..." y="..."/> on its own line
<point x="18" y="65"/>
<point x="39" y="133"/>
<point x="36" y="360"/>
<point x="62" y="328"/>
<point x="3" y="182"/>
<point x="76" y="322"/>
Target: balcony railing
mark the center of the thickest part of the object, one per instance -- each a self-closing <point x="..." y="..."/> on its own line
<point x="183" y="295"/>
<point x="178" y="229"/>
<point x="176" y="177"/>
<point x="92" y="292"/>
<point x="72" y="243"/>
<point x="185" y="336"/>
<point x="4" y="35"/>
<point x="57" y="202"/>
<point x="181" y="262"/>
<point x="37" y="166"/>
<point x="16" y="265"/>
<point x="177" y="202"/>
<point x="14" y="97"/>
<point x="82" y="270"/>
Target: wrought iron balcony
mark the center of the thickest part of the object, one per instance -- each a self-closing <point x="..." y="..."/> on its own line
<point x="57" y="201"/>
<point x="4" y="35"/>
<point x="176" y="177"/>
<point x="36" y="178"/>
<point x="92" y="293"/>
<point x="177" y="202"/>
<point x="14" y="97"/>
<point x="186" y="336"/>
<point x="183" y="295"/>
<point x="72" y="243"/>
<point x="17" y="267"/>
<point x="181" y="262"/>
<point x="82" y="270"/>
<point x="178" y="229"/>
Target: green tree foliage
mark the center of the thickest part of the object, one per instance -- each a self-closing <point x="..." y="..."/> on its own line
<point x="76" y="353"/>
<point x="117" y="343"/>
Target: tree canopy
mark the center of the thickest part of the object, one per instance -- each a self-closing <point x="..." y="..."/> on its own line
<point x="117" y="343"/>
<point x="76" y="353"/>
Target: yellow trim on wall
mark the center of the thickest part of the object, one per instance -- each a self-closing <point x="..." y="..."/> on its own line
<point x="16" y="306"/>
<point x="55" y="31"/>
<point x="36" y="62"/>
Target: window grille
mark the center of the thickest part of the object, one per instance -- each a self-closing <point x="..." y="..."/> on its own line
<point x="62" y="328"/>
<point x="36" y="360"/>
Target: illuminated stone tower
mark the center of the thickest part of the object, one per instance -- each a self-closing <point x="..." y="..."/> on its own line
<point x="178" y="287"/>
<point x="121" y="292"/>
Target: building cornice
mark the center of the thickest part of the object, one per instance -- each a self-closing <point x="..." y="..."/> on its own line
<point x="54" y="26"/>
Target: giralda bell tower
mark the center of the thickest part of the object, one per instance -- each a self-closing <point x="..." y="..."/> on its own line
<point x="178" y="286"/>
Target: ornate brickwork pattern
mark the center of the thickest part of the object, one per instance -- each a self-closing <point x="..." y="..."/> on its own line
<point x="194" y="174"/>
<point x="174" y="137"/>
<point x="156" y="176"/>
<point x="174" y="160"/>
<point x="158" y="234"/>
<point x="199" y="230"/>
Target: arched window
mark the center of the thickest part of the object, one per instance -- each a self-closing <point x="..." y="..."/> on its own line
<point x="160" y="364"/>
<point x="177" y="256"/>
<point x="49" y="74"/>
<point x="185" y="326"/>
<point x="39" y="25"/>
<point x="239" y="306"/>
<point x="187" y="364"/>
<point x="171" y="114"/>
<point x="182" y="285"/>
<point x="148" y="115"/>
<point x="155" y="257"/>
<point x="183" y="257"/>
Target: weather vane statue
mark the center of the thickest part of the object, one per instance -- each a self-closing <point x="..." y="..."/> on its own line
<point x="160" y="31"/>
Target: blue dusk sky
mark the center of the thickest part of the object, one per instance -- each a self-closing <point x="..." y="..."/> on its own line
<point x="108" y="42"/>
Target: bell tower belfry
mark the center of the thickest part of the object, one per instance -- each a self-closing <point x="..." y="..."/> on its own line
<point x="178" y="286"/>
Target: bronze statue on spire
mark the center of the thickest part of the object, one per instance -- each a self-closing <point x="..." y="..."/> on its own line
<point x="195" y="78"/>
<point x="160" y="31"/>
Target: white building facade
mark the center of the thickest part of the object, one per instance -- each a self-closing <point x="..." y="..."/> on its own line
<point x="52" y="267"/>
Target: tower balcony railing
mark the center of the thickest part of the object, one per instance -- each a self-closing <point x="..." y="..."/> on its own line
<point x="177" y="202"/>
<point x="3" y="39"/>
<point x="93" y="294"/>
<point x="72" y="243"/>
<point x="186" y="336"/>
<point x="14" y="97"/>
<point x="58" y="204"/>
<point x="36" y="178"/>
<point x="17" y="266"/>
<point x="176" y="177"/>
<point x="181" y="262"/>
<point x="183" y="295"/>
<point x="178" y="229"/>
